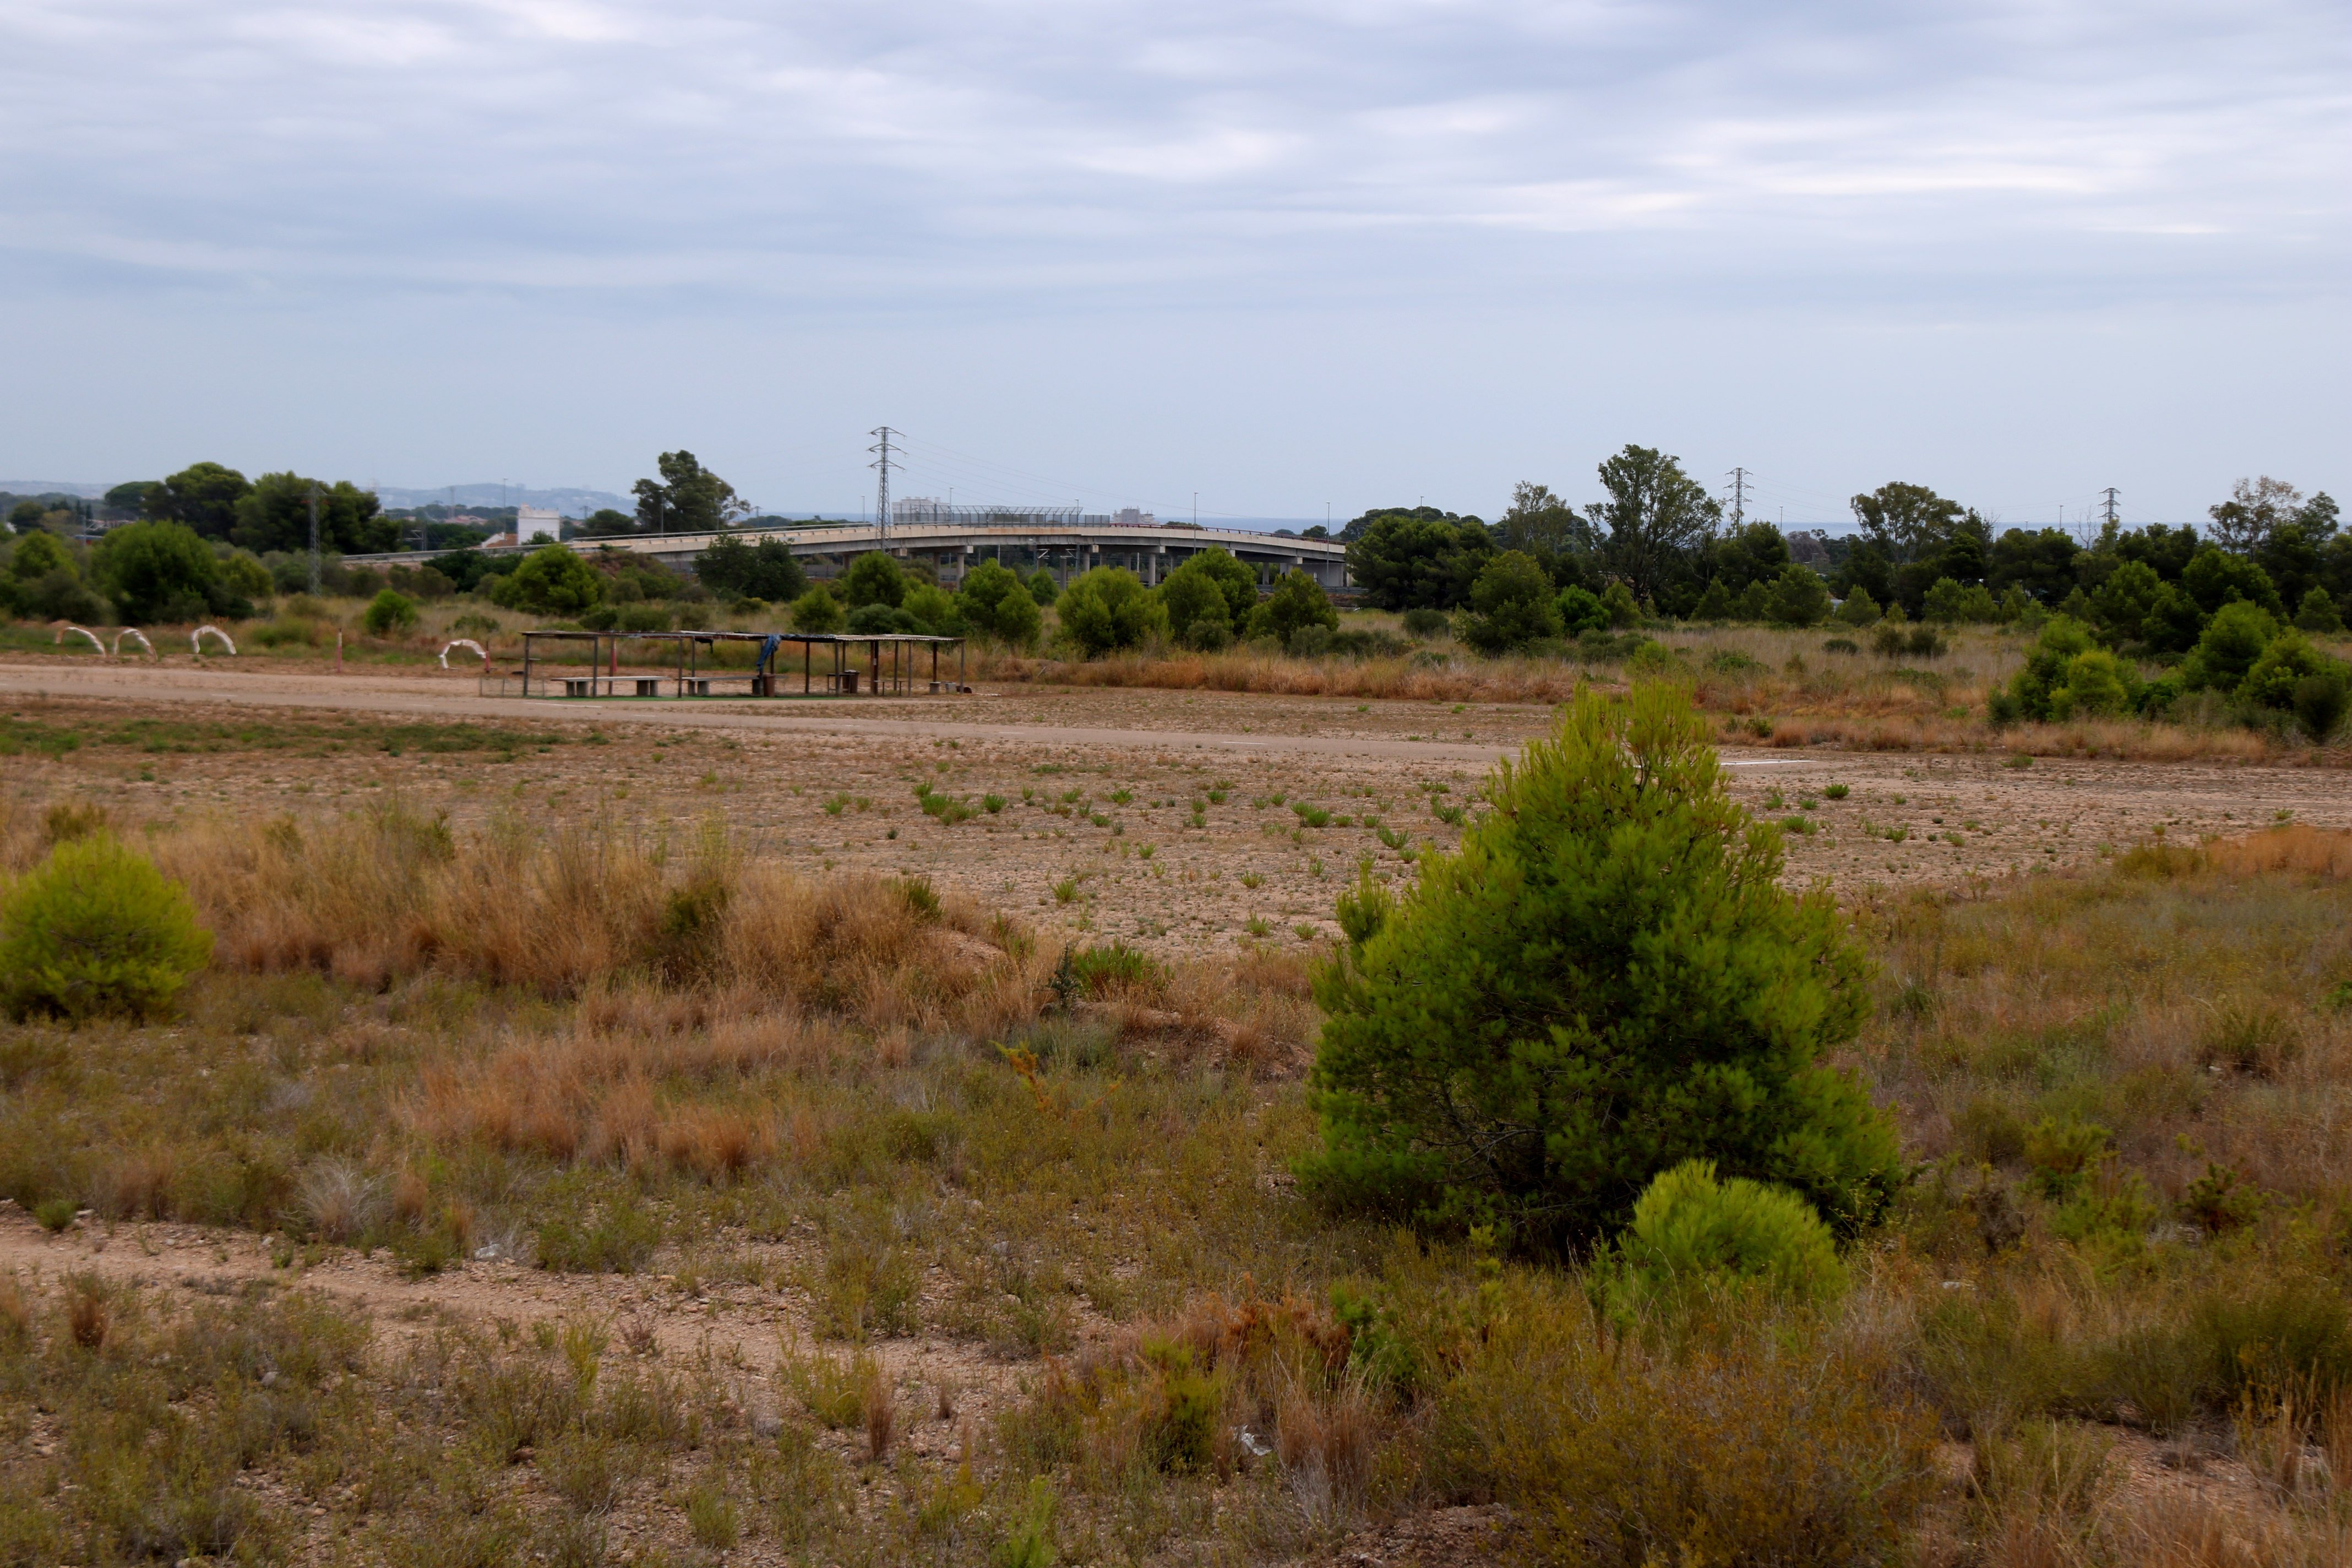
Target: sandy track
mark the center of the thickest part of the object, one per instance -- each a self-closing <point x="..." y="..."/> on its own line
<point x="741" y="1327"/>
<point x="453" y="697"/>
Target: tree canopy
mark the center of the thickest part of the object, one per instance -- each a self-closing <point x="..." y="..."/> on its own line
<point x="686" y="499"/>
<point x="1656" y="519"/>
<point x="204" y="496"/>
<point x="762" y="571"/>
<point x="1402" y="561"/>
<point x="273" y="513"/>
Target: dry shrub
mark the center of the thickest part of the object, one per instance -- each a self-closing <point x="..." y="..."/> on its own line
<point x="1461" y="680"/>
<point x="879" y="1411"/>
<point x="2322" y="854"/>
<point x="140" y="1184"/>
<point x="90" y="1317"/>
<point x="340" y="1199"/>
<point x="714" y="1143"/>
<point x="1326" y="1440"/>
<point x="1746" y="1440"/>
<point x="2175" y="1528"/>
<point x="15" y="1312"/>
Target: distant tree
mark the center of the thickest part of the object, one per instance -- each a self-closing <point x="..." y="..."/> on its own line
<point x="551" y="580"/>
<point x="2040" y="561"/>
<point x="2164" y="551"/>
<point x="1859" y="609"/>
<point x="762" y="571"/>
<point x="1905" y="521"/>
<point x="1107" y="609"/>
<point x="2318" y="613"/>
<point x="156" y="572"/>
<point x="1296" y="603"/>
<point x="25" y="516"/>
<point x="935" y="612"/>
<point x="2215" y="577"/>
<point x="204" y="496"/>
<point x="1402" y="561"/>
<point x="1657" y="520"/>
<point x="2232" y="640"/>
<point x="1799" y="597"/>
<point x="1511" y="604"/>
<point x="2121" y="605"/>
<point x="604" y="523"/>
<point x="1042" y="587"/>
<point x="127" y="500"/>
<point x="874" y="578"/>
<point x="275" y="514"/>
<point x="686" y="499"/>
<point x="1541" y="524"/>
<point x="2242" y="524"/>
<point x="2173" y="622"/>
<point x="1753" y="553"/>
<point x="1357" y="527"/>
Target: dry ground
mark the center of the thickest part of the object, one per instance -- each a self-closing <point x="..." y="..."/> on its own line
<point x="832" y="786"/>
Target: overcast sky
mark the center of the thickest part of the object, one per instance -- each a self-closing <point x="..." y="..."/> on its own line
<point x="1281" y="254"/>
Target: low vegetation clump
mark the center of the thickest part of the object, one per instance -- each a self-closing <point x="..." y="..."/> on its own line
<point x="1548" y="1019"/>
<point x="95" y="929"/>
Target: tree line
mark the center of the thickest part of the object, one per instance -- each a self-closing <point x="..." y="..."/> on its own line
<point x="1660" y="540"/>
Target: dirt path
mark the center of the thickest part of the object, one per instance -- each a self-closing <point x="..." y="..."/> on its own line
<point x="744" y="1328"/>
<point x="1164" y="820"/>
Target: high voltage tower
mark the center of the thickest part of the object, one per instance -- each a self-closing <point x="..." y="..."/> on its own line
<point x="882" y="497"/>
<point x="1738" y="496"/>
<point x="2108" y="507"/>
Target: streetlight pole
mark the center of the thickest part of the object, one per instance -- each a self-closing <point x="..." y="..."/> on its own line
<point x="314" y="536"/>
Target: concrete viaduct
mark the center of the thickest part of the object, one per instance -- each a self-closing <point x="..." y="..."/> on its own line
<point x="824" y="550"/>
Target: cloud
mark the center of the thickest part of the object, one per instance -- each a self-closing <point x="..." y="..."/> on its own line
<point x="607" y="144"/>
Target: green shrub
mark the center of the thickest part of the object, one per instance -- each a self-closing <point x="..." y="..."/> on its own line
<point x="1581" y="611"/>
<point x="1797" y="597"/>
<point x="1107" y="609"/>
<point x="1689" y="1230"/>
<point x="1099" y="969"/>
<point x="550" y="580"/>
<point x="96" y="930"/>
<point x="875" y="578"/>
<point x="2066" y="675"/>
<point x="2229" y="647"/>
<point x="389" y="612"/>
<point x="1606" y="980"/>
<point x="1212" y="586"/>
<point x="2286" y="663"/>
<point x="1512" y="603"/>
<point x="2320" y="701"/>
<point x="1297" y="605"/>
<point x="2318" y="613"/>
<point x="817" y="612"/>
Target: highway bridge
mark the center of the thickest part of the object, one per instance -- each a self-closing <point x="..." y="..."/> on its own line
<point x="950" y="549"/>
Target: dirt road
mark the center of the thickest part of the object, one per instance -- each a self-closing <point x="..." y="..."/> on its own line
<point x="1173" y="821"/>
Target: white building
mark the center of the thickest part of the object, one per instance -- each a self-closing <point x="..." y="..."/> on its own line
<point x="534" y="524"/>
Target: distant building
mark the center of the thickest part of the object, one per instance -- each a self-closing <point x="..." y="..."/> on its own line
<point x="535" y="524"/>
<point x="1129" y="517"/>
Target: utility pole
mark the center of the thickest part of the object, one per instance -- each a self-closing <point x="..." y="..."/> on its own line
<point x="2112" y="518"/>
<point x="314" y="536"/>
<point x="882" y="493"/>
<point x="1739" y="496"/>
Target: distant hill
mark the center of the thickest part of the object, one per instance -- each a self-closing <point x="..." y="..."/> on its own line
<point x="570" y="503"/>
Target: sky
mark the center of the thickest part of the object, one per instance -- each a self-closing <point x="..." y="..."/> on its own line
<point x="1278" y="255"/>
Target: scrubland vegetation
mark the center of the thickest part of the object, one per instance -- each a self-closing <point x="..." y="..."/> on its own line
<point x="2011" y="1228"/>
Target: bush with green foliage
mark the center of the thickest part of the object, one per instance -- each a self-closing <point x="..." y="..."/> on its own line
<point x="1858" y="609"/>
<point x="740" y="571"/>
<point x="1618" y="599"/>
<point x="1042" y="588"/>
<point x="2227" y="649"/>
<point x="1107" y="609"/>
<point x="881" y="620"/>
<point x="996" y="603"/>
<point x="95" y="929"/>
<point x="1692" y="1231"/>
<point x="2215" y="578"/>
<point x="874" y="578"/>
<point x="1715" y="605"/>
<point x="1421" y="621"/>
<point x="1297" y="605"/>
<point x="1606" y="980"/>
<point x="1797" y="597"/>
<point x="389" y="613"/>
<point x="551" y="580"/>
<point x="43" y="583"/>
<point x="2318" y="613"/>
<point x="2320" y="701"/>
<point x="1581" y="611"/>
<point x="1512" y="603"/>
<point x="935" y="612"/>
<point x="158" y="571"/>
<point x="1949" y="603"/>
<point x="2286" y="662"/>
<point x="2066" y="675"/>
<point x="1211" y="591"/>
<point x="817" y="612"/>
